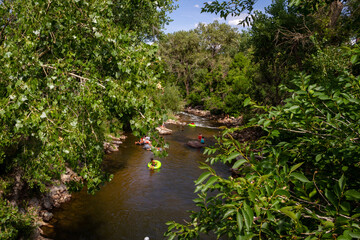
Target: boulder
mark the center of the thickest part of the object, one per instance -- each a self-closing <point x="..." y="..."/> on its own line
<point x="175" y="122"/>
<point x="197" y="112"/>
<point x="122" y="137"/>
<point x="116" y="142"/>
<point x="47" y="216"/>
<point x="164" y="130"/>
<point x="195" y="144"/>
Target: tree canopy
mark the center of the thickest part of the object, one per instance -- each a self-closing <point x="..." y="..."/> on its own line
<point x="70" y="73"/>
<point x="299" y="180"/>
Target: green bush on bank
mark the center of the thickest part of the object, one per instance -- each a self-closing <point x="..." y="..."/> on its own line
<point x="14" y="224"/>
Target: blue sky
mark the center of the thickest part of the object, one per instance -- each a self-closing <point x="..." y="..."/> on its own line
<point x="188" y="15"/>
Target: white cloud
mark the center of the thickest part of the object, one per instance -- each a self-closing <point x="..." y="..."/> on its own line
<point x="197" y="6"/>
<point x="234" y="21"/>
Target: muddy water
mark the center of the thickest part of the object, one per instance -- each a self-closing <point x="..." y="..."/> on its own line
<point x="138" y="202"/>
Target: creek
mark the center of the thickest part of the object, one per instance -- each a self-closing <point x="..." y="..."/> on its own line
<point x="138" y="201"/>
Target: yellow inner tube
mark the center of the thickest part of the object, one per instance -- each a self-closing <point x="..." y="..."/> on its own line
<point x="192" y="125"/>
<point x="157" y="165"/>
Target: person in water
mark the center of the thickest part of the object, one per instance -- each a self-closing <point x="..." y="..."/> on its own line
<point x="200" y="136"/>
<point x="141" y="142"/>
<point x="202" y="140"/>
<point x="147" y="145"/>
<point x="153" y="163"/>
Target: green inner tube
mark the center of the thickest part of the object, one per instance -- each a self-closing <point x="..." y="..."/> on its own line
<point x="157" y="166"/>
<point x="192" y="125"/>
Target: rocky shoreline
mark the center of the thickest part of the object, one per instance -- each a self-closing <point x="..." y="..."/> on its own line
<point x="41" y="206"/>
<point x="221" y="119"/>
<point x="112" y="145"/>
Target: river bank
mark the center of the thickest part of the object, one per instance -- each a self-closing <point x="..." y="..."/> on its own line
<point x="221" y="119"/>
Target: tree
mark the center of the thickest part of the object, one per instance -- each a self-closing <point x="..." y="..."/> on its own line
<point x="200" y="60"/>
<point x="179" y="51"/>
<point x="299" y="180"/>
<point x="145" y="18"/>
<point x="70" y="74"/>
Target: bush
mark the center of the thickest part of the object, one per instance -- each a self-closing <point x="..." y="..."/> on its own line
<point x="13" y="224"/>
<point x="169" y="98"/>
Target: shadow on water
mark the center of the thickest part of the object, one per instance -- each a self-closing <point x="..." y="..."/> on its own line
<point x="138" y="202"/>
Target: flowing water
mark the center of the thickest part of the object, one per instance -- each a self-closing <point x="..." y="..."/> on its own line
<point x="138" y="202"/>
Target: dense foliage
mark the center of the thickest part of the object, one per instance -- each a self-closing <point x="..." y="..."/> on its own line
<point x="70" y="73"/>
<point x="303" y="183"/>
<point x="208" y="67"/>
<point x="279" y="44"/>
<point x="299" y="181"/>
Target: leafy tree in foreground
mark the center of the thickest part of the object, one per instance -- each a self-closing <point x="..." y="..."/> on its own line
<point x="70" y="73"/>
<point x="303" y="183"/>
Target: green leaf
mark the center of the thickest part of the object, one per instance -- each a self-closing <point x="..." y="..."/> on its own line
<point x="202" y="177"/>
<point x="299" y="176"/>
<point x="352" y="194"/>
<point x="293" y="168"/>
<point x="282" y="192"/>
<point x="238" y="163"/>
<point x="293" y="109"/>
<point x="318" y="157"/>
<point x="331" y="197"/>
<point x="232" y="156"/>
<point x="252" y="195"/>
<point x="247" y="101"/>
<point x="342" y="183"/>
<point x="267" y="123"/>
<point x="250" y="213"/>
<point x="209" y="183"/>
<point x="355" y="235"/>
<point x="354" y="59"/>
<point x="172" y="236"/>
<point x="287" y="211"/>
<point x="328" y="224"/>
<point x="246" y="219"/>
<point x="229" y="213"/>
<point x="239" y="221"/>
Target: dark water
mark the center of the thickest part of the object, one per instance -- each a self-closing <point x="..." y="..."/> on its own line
<point x="138" y="202"/>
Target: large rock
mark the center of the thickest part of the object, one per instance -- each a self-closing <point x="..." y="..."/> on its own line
<point x="47" y="216"/>
<point x="175" y="122"/>
<point x="231" y="121"/>
<point x="195" y="144"/>
<point x="113" y="146"/>
<point x="197" y="112"/>
<point x="164" y="130"/>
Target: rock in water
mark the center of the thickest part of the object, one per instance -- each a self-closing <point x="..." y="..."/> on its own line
<point x="164" y="130"/>
<point x="195" y="144"/>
